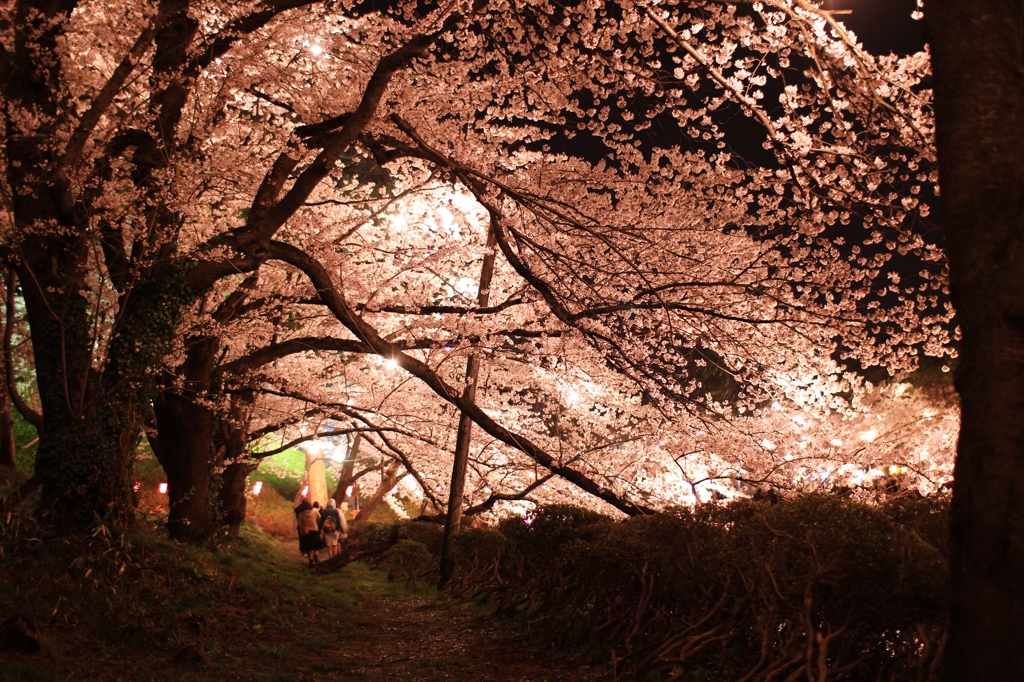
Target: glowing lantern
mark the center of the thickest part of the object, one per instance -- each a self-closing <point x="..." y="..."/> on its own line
<point x="136" y="486"/>
<point x="257" y="487"/>
<point x="305" y="490"/>
<point x="348" y="491"/>
<point x="162" y="488"/>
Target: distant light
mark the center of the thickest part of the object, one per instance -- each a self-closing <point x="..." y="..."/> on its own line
<point x="305" y="490"/>
<point x="776" y="406"/>
<point x="438" y="488"/>
<point x="136" y="486"/>
<point x="527" y="520"/>
<point x="316" y="50"/>
<point x="392" y="363"/>
<point x="257" y="487"/>
<point x="162" y="488"/>
<point x="348" y="491"/>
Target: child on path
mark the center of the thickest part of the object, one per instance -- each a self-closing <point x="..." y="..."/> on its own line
<point x="333" y="528"/>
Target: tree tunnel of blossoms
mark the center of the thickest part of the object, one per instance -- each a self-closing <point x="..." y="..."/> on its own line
<point x="228" y="220"/>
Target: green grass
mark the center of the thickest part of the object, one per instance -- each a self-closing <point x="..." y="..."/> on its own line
<point x="134" y="602"/>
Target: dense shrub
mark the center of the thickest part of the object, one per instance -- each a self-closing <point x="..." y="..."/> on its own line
<point x="813" y="588"/>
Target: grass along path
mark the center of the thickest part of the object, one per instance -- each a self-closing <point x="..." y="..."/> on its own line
<point x="418" y="635"/>
<point x="142" y="608"/>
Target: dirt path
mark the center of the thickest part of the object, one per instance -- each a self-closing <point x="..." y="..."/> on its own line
<point x="420" y="636"/>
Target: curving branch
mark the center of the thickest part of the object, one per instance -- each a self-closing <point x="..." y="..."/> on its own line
<point x="102" y="101"/>
<point x="361" y="329"/>
<point x="266" y="355"/>
<point x="263" y="221"/>
<point x="487" y="504"/>
<point x="31" y="416"/>
<point x="218" y="44"/>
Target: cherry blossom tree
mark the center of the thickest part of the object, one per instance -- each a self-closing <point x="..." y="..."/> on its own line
<point x="683" y="192"/>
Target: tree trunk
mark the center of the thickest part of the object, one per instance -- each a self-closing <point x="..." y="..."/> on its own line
<point x="6" y="430"/>
<point x="237" y="465"/>
<point x="186" y="432"/>
<point x="7" y="446"/>
<point x="456" y="490"/>
<point x="979" y="102"/>
<point x="346" y="477"/>
<point x="316" y="475"/>
<point x="232" y="495"/>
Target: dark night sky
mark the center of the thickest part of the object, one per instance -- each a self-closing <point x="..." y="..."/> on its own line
<point x="882" y="25"/>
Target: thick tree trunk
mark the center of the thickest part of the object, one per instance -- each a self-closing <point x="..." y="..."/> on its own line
<point x="232" y="495"/>
<point x="316" y="476"/>
<point x="91" y="426"/>
<point x="978" y="59"/>
<point x="186" y="434"/>
<point x="237" y="465"/>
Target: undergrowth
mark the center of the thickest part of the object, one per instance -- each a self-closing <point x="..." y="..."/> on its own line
<point x="812" y="588"/>
<point x="137" y="606"/>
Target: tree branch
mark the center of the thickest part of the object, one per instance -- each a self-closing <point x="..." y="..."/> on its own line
<point x="337" y="305"/>
<point x="310" y="343"/>
<point x="263" y="223"/>
<point x="496" y="497"/>
<point x="31" y="416"/>
<point x="102" y="101"/>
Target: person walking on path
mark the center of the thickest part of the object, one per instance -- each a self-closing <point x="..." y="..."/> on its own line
<point x="333" y="528"/>
<point x="307" y="523"/>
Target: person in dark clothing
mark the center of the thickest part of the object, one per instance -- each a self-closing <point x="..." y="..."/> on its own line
<point x="307" y="523"/>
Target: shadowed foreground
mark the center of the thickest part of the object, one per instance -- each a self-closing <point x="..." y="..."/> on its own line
<point x="142" y="608"/>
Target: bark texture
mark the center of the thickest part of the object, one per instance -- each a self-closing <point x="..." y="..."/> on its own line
<point x="186" y="427"/>
<point x="977" y="53"/>
<point x="236" y="462"/>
